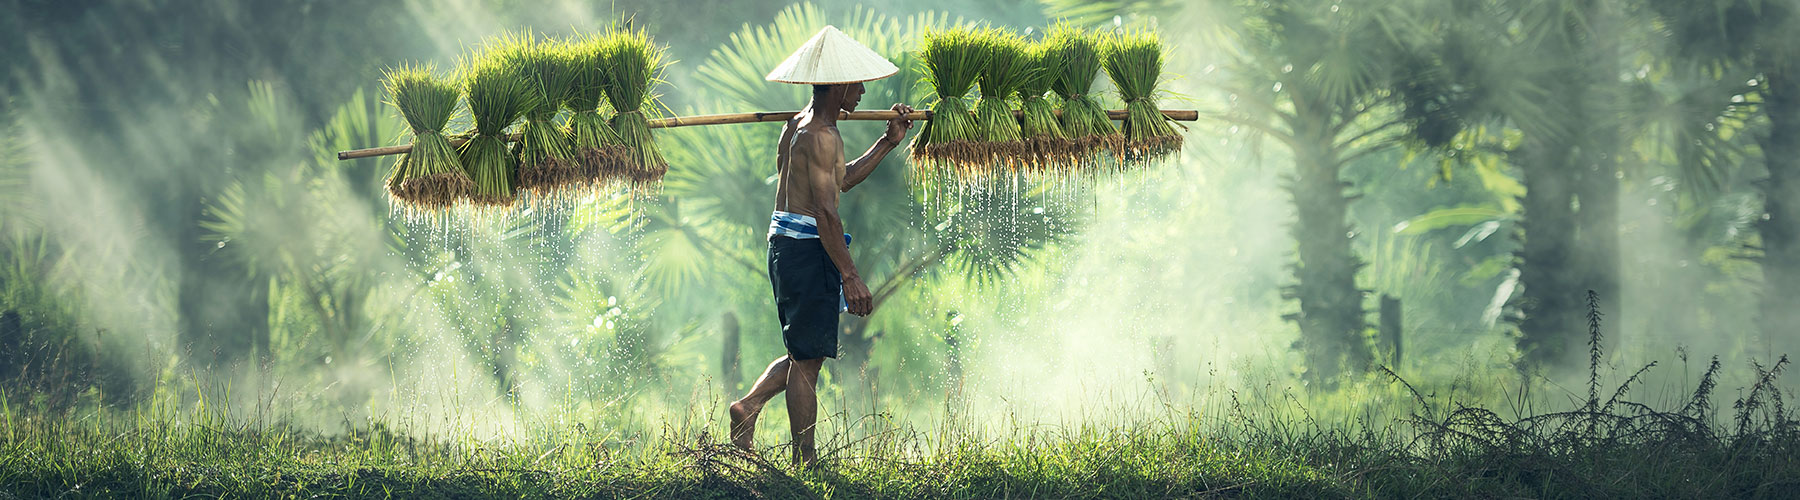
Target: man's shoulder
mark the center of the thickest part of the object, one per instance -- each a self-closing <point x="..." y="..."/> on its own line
<point x="817" y="138"/>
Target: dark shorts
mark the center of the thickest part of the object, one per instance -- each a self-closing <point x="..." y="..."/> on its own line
<point x="807" y="288"/>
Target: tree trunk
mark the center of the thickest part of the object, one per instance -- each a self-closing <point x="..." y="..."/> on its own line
<point x="1332" y="337"/>
<point x="1780" y="226"/>
<point x="731" y="373"/>
<point x="1597" y="226"/>
<point x="1597" y="192"/>
<point x="1391" y="340"/>
<point x="1552" y="297"/>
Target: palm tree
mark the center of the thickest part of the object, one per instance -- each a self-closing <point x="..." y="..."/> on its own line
<point x="1316" y="77"/>
<point x="1557" y="149"/>
<point x="1694" y="133"/>
<point x="1755" y="37"/>
<point x="1546" y="71"/>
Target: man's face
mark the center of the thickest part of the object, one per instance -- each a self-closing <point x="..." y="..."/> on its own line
<point x="852" y="95"/>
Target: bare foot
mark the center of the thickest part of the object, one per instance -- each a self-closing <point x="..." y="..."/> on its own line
<point x="743" y="425"/>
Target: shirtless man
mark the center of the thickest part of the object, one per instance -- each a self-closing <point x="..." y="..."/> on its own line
<point x="809" y="253"/>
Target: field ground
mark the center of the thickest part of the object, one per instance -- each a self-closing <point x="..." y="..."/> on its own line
<point x="1611" y="450"/>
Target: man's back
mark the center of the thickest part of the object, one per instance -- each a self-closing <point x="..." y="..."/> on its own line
<point x="810" y="167"/>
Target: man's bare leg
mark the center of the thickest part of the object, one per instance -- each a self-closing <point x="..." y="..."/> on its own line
<point x="743" y="411"/>
<point x="803" y="407"/>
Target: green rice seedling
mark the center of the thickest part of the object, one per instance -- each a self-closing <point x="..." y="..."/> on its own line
<point x="1134" y="61"/>
<point x="497" y="98"/>
<point x="429" y="177"/>
<point x="952" y="60"/>
<point x="1046" y="147"/>
<point x="636" y="65"/>
<point x="1084" y="121"/>
<point x="600" y="153"/>
<point x="997" y="129"/>
<point x="546" y="156"/>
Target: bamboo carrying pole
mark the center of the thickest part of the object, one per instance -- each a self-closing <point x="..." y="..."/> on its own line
<point x="1186" y="115"/>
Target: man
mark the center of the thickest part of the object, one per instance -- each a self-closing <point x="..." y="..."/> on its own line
<point x="809" y="253"/>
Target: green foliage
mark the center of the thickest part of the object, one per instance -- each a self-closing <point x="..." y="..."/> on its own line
<point x="996" y="231"/>
<point x="1725" y="31"/>
<point x="430" y="177"/>
<point x="1450" y="217"/>
<point x="1096" y="12"/>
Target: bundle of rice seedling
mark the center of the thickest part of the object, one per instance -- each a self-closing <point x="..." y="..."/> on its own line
<point x="953" y="60"/>
<point x="1045" y="144"/>
<point x="430" y="176"/>
<point x="497" y="97"/>
<point x="1084" y="121"/>
<point x="1004" y="69"/>
<point x="636" y="67"/>
<point x="601" y="153"/>
<point x="1134" y="62"/>
<point x="546" y="156"/>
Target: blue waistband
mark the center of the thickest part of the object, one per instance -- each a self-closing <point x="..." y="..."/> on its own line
<point x="796" y="226"/>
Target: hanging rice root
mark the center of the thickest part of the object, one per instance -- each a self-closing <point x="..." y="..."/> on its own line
<point x="636" y="65"/>
<point x="430" y="177"/>
<point x="949" y="144"/>
<point x="1084" y="121"/>
<point x="1047" y="150"/>
<point x="601" y="155"/>
<point x="547" y="160"/>
<point x="1005" y="68"/>
<point x="1134" y="62"/>
<point x="497" y="98"/>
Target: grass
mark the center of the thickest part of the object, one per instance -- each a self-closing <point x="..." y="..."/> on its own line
<point x="1241" y="444"/>
<point x="1049" y="150"/>
<point x="1005" y="68"/>
<point x="1608" y="447"/>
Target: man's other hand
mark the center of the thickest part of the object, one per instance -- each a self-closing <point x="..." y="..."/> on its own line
<point x="856" y="294"/>
<point x="897" y="127"/>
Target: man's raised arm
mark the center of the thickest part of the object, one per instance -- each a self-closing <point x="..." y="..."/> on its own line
<point x="856" y="171"/>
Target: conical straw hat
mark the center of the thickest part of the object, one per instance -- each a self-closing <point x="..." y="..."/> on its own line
<point x="831" y="57"/>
